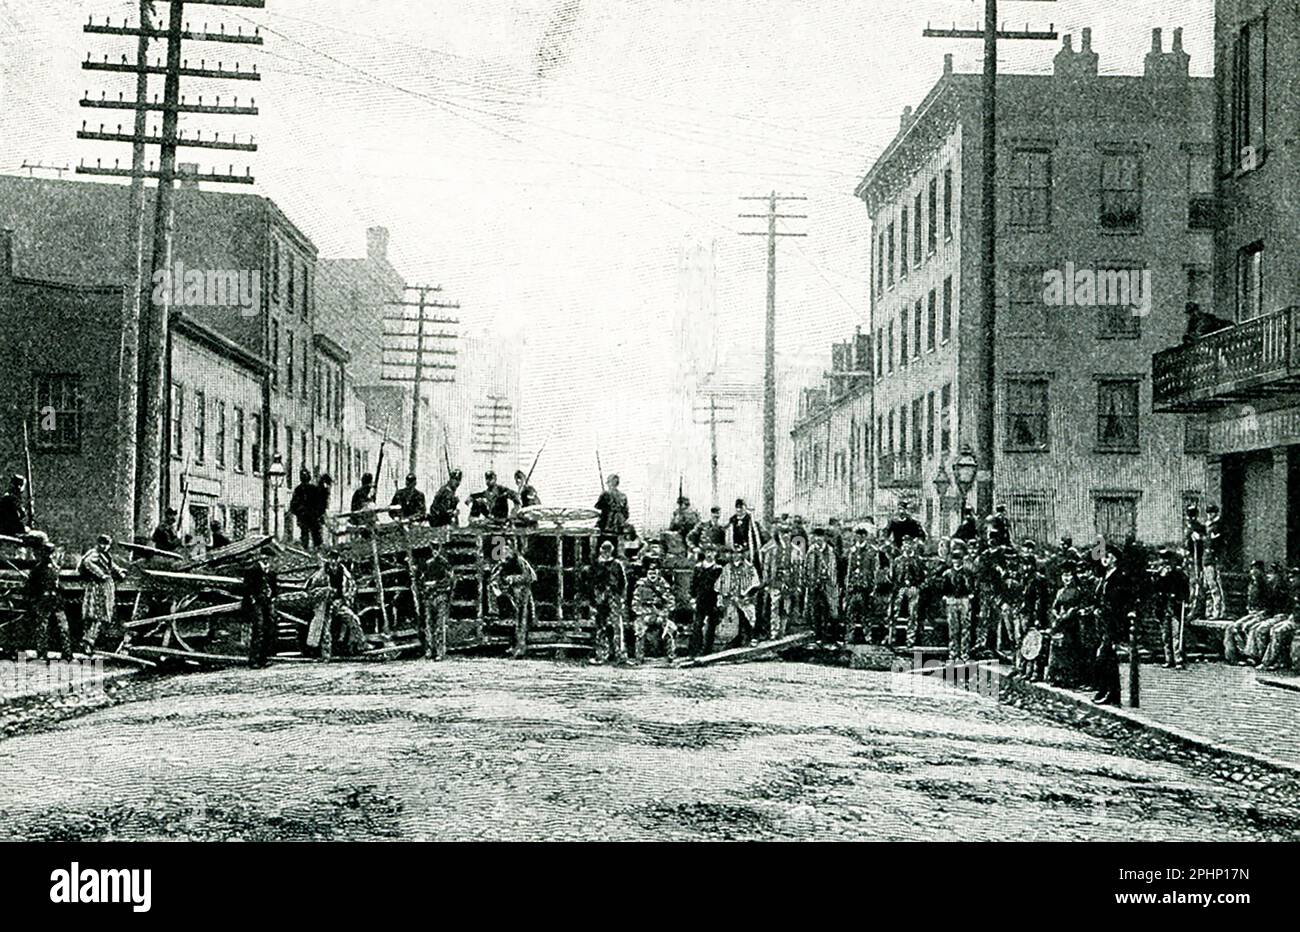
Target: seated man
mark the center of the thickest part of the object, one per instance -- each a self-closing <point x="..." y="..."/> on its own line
<point x="653" y="602"/>
<point x="336" y="622"/>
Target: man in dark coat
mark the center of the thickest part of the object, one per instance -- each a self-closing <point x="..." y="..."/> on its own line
<point x="259" y="585"/>
<point x="219" y="538"/>
<point x="439" y="578"/>
<point x="13" y="508"/>
<point x="744" y="533"/>
<point x="685" y="519"/>
<point x="442" y="513"/>
<point x="904" y="527"/>
<point x="493" y="503"/>
<point x="165" y="535"/>
<point x="1110" y="612"/>
<point x="408" y="501"/>
<point x="710" y="533"/>
<point x="45" y="601"/>
<point x="526" y="492"/>
<point x="605" y="582"/>
<point x="302" y="505"/>
<point x="614" y="513"/>
<point x="363" y="499"/>
<point x="999" y="528"/>
<point x="704" y="596"/>
<point x="968" y="529"/>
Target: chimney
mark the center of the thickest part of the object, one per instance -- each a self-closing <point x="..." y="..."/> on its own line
<point x="1172" y="64"/>
<point x="188" y="172"/>
<point x="947" y="63"/>
<point x="1087" y="39"/>
<point x="377" y="244"/>
<point x="906" y="120"/>
<point x="1157" y="41"/>
<point x="1071" y="64"/>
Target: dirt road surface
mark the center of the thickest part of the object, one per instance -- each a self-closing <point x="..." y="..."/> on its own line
<point x="498" y="749"/>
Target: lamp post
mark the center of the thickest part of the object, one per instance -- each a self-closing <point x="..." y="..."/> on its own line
<point x="275" y="472"/>
<point x="941" y="485"/>
<point x="964" y="469"/>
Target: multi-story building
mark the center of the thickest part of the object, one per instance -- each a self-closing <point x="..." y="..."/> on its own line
<point x="832" y="455"/>
<point x="243" y="287"/>
<point x="1102" y="240"/>
<point x="1240" y="386"/>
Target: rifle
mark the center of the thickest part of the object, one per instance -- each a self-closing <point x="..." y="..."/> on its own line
<point x="600" y="471"/>
<point x="529" y="477"/>
<point x="379" y="465"/>
<point x="31" y="493"/>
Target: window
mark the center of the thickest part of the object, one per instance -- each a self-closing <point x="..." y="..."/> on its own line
<point x="889" y="280"/>
<point x="306" y="371"/>
<point x="916" y="327"/>
<point x="1121" y="191"/>
<point x="891" y="346"/>
<point x="288" y="362"/>
<point x="275" y="268"/>
<point x="931" y="321"/>
<point x="305" y="453"/>
<point x="288" y="453"/>
<point x="1196" y="435"/>
<point x="1200" y="190"/>
<point x="916" y="230"/>
<point x="58" y="415"/>
<point x="917" y="452"/>
<point x="221" y="435"/>
<point x="1117" y="415"/>
<point x="903" y="240"/>
<point x="292" y="263"/>
<point x="903" y="331"/>
<point x="1030" y="514"/>
<point x="932" y="218"/>
<point x="1119" y="299"/>
<point x="880" y="352"/>
<point x="1026" y="413"/>
<point x="1248" y="98"/>
<point x="239" y="439"/>
<point x="1250" y="282"/>
<point x="929" y="424"/>
<point x="306" y="292"/>
<point x="316" y="387"/>
<point x="275" y="354"/>
<point x="255" y="426"/>
<point x="1031" y="189"/>
<point x="200" y="426"/>
<point x="178" y="421"/>
<point x="947" y="309"/>
<point x="889" y="451"/>
<point x="945" y="419"/>
<point x="275" y="440"/>
<point x="1116" y="514"/>
<point x="947" y="204"/>
<point x="238" y="522"/>
<point x="1026" y="310"/>
<point x="880" y="264"/>
<point x="902" y="430"/>
<point x="316" y="459"/>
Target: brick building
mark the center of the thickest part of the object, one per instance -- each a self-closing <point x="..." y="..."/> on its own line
<point x="1097" y="175"/>
<point x="1242" y="383"/>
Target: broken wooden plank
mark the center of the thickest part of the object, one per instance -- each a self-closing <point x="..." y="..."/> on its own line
<point x="754" y="652"/>
<point x="150" y="551"/>
<point x="223" y="609"/>
<point x="194" y="579"/>
<point x="195" y="656"/>
<point x="126" y="658"/>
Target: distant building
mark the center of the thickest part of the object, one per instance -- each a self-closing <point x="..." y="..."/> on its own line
<point x="1239" y="387"/>
<point x="831" y="461"/>
<point x="1102" y="240"/>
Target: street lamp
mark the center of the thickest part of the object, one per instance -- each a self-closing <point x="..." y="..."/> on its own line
<point x="963" y="470"/>
<point x="275" y="472"/>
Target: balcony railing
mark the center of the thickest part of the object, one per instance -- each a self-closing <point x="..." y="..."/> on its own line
<point x="1250" y="360"/>
<point x="896" y="471"/>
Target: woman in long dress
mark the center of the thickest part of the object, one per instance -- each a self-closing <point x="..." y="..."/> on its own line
<point x="1066" y="665"/>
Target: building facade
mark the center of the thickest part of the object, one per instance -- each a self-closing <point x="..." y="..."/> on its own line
<point x="1102" y="240"/>
<point x="1240" y="385"/>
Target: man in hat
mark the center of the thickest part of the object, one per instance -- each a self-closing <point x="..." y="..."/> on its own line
<point x="320" y="506"/>
<point x="685" y="519"/>
<point x="652" y="607"/>
<point x="968" y="529"/>
<point x="780" y="581"/>
<point x="165" y="535"/>
<point x="408" y="502"/>
<point x="907" y="572"/>
<point x="1172" y="592"/>
<point x="1267" y="598"/>
<point x="1283" y="650"/>
<point x="100" y="574"/>
<point x="45" y="599"/>
<point x="859" y="582"/>
<point x="339" y="623"/>
<point x="13" y="508"/>
<point x="958" y="590"/>
<point x="1112" y="624"/>
<point x="743" y="533"/>
<point x="526" y="494"/>
<point x="514" y="576"/>
<point x="446" y="502"/>
<point x="363" y="499"/>
<point x="737" y="588"/>
<point x="821" y="593"/>
<point x="439" y="578"/>
<point x="1194" y="547"/>
<point x="219" y="536"/>
<point x="999" y="528"/>
<point x="303" y="506"/>
<point x="606" y="585"/>
<point x="1211" y="581"/>
<point x="904" y="527"/>
<point x="614" y="514"/>
<point x="259" y="587"/>
<point x="1034" y="611"/>
<point x="704" y="598"/>
<point x="710" y="533"/>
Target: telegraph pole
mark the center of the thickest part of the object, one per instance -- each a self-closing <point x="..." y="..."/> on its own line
<point x="710" y="415"/>
<point x="398" y="361"/>
<point x="492" y="423"/>
<point x="984" y="408"/>
<point x="144" y="396"/>
<point x="769" y="349"/>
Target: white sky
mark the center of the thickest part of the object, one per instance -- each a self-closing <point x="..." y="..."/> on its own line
<point x="545" y="159"/>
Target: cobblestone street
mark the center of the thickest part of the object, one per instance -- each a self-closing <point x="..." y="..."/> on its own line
<point x="490" y="749"/>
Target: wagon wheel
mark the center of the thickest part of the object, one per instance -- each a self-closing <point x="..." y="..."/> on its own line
<point x="197" y="600"/>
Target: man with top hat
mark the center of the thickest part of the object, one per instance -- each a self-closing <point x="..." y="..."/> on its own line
<point x="44" y="593"/>
<point x="999" y="528"/>
<point x="442" y="513"/>
<point x="408" y="501"/>
<point x="606" y="593"/>
<point x="1110" y="611"/>
<point x="13" y="508"/>
<point x="743" y="533"/>
<point x="100" y="574"/>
